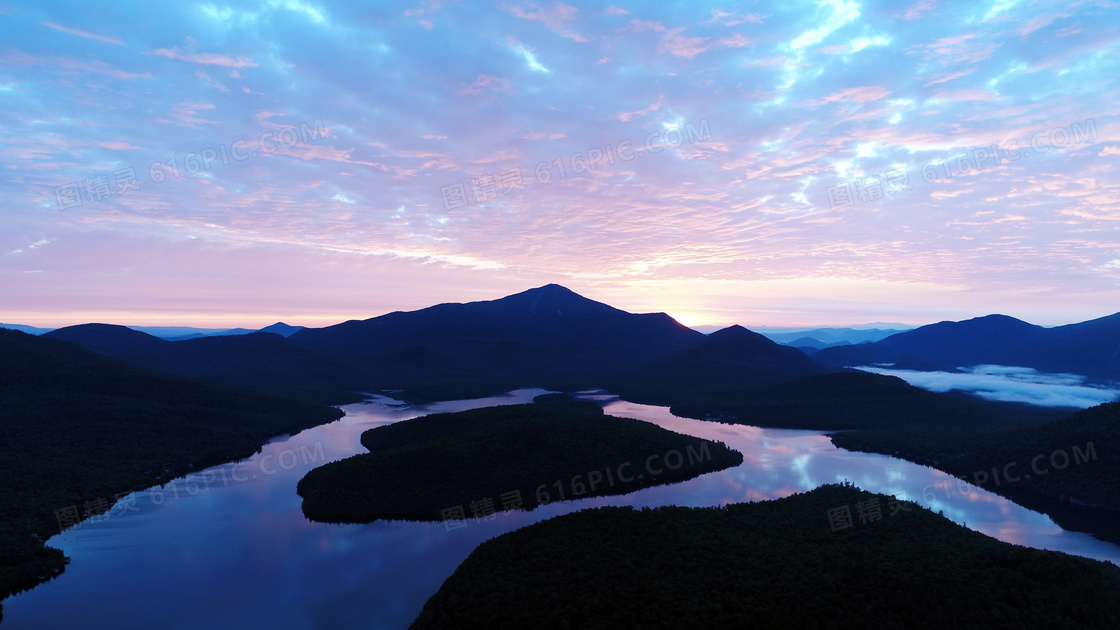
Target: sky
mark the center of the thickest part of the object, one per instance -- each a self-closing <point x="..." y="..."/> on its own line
<point x="789" y="163"/>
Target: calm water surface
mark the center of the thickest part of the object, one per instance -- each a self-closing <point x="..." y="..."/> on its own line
<point x="230" y="548"/>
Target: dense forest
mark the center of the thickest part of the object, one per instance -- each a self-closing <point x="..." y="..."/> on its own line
<point x="475" y="463"/>
<point x="80" y="430"/>
<point x="839" y="401"/>
<point x="1075" y="459"/>
<point x="774" y="564"/>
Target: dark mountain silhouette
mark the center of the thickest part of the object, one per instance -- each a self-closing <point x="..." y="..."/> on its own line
<point x="548" y="336"/>
<point x="282" y="329"/>
<point x="262" y="361"/>
<point x="1089" y="348"/>
<point x="184" y="334"/>
<point x="728" y="359"/>
<point x="550" y="317"/>
<point x="844" y="400"/>
<point x="552" y="337"/>
<point x="121" y="342"/>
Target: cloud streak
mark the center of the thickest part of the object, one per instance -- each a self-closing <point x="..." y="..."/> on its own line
<point x="86" y="34"/>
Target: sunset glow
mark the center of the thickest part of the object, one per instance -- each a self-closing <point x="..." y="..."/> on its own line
<point x="783" y="164"/>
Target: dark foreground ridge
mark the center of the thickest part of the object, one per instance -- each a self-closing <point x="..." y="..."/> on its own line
<point x="507" y="457"/>
<point x="80" y="430"/>
<point x="774" y="564"/>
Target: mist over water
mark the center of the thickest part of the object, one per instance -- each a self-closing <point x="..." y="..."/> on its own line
<point x="1009" y="384"/>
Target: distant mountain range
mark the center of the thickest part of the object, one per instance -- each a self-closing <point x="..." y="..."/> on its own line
<point x="178" y="333"/>
<point x="548" y="336"/>
<point x="552" y="337"/>
<point x="1090" y="349"/>
<point x="263" y="361"/>
<point x="183" y="334"/>
<point x="817" y="338"/>
<point x="31" y="330"/>
<point x="729" y="359"/>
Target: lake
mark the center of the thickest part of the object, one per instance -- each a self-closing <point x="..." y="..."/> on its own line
<point x="229" y="547"/>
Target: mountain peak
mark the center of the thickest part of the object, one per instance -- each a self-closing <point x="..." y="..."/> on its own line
<point x="735" y="332"/>
<point x="550" y="300"/>
<point x="108" y="338"/>
<point x="732" y="329"/>
<point x="282" y="329"/>
<point x="997" y="318"/>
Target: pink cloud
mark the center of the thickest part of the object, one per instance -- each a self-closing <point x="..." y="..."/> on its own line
<point x="556" y="17"/>
<point x="950" y="76"/>
<point x="960" y="48"/>
<point x="970" y="94"/>
<point x="119" y="146"/>
<point x="184" y="114"/>
<point x="486" y="84"/>
<point x="727" y="18"/>
<point x="916" y="11"/>
<point x="431" y="7"/>
<point x="206" y="59"/>
<point x="541" y="135"/>
<point x="866" y="94"/>
<point x="100" y="67"/>
<point x="626" y="116"/>
<point x="679" y="45"/>
<point x="85" y="34"/>
<point x="735" y="40"/>
<point x="1041" y="21"/>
